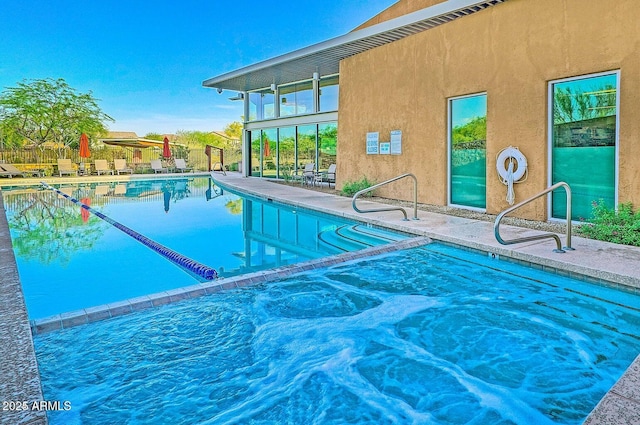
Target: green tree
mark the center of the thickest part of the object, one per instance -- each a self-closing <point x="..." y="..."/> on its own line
<point x="49" y="110"/>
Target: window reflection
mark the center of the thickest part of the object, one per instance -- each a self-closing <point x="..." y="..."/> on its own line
<point x="296" y="99"/>
<point x="261" y="105"/>
<point x="269" y="152"/>
<point x="468" y="123"/>
<point x="286" y="151"/>
<point x="329" y="90"/>
<point x="584" y="114"/>
<point x="327" y="144"/>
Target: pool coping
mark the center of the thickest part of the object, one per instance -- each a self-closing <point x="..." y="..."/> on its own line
<point x="20" y="383"/>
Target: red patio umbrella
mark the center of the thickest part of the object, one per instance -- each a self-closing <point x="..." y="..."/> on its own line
<point x="84" y="146"/>
<point x="84" y="150"/>
<point x="166" y="152"/>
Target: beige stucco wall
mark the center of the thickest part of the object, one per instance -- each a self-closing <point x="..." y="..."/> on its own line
<point x="510" y="51"/>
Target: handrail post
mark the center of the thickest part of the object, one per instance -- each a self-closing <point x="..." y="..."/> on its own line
<point x="371" y="188"/>
<point x="559" y="249"/>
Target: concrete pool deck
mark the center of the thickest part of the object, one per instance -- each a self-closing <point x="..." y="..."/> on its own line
<point x="594" y="261"/>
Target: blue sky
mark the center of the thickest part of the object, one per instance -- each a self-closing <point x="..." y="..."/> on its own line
<point x="145" y="60"/>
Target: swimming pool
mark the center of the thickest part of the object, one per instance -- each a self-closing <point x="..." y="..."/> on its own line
<point x="69" y="259"/>
<point x="432" y="335"/>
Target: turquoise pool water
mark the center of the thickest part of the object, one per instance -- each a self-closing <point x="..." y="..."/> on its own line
<point x="69" y="259"/>
<point x="433" y="335"/>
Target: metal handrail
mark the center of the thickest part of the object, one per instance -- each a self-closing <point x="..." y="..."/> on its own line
<point x="560" y="249"/>
<point x="221" y="168"/>
<point x="369" y="189"/>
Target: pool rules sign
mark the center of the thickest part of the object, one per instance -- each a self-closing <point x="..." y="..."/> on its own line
<point x="393" y="146"/>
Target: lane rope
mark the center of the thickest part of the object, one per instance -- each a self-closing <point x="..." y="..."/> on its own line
<point x="192" y="266"/>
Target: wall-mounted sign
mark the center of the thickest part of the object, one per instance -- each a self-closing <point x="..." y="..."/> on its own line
<point x="372" y="143"/>
<point x="396" y="142"/>
<point x="385" y="148"/>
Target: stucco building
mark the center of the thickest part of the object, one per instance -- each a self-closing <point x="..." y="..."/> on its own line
<point x="440" y="88"/>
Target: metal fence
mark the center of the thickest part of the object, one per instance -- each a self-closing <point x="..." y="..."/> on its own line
<point x="46" y="159"/>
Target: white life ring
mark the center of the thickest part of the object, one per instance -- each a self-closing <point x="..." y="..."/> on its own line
<point x="521" y="164"/>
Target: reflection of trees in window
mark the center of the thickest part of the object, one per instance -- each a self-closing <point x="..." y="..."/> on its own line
<point x="574" y="105"/>
<point x="307" y="143"/>
<point x="327" y="144"/>
<point x="471" y="135"/>
<point x="287" y="151"/>
<point x="584" y="116"/>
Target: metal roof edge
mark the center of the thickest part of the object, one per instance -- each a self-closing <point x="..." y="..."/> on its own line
<point x="413" y="18"/>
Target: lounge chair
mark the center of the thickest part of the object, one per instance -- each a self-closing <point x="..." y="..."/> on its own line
<point x="66" y="167"/>
<point x="156" y="166"/>
<point x="102" y="166"/>
<point x="181" y="165"/>
<point x="121" y="166"/>
<point x="328" y="176"/>
<point x="9" y="170"/>
<point x="308" y="174"/>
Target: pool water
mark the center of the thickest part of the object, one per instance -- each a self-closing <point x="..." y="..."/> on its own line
<point x="431" y="335"/>
<point x="69" y="259"/>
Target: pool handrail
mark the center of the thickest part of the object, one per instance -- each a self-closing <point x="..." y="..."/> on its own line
<point x="369" y="189"/>
<point x="560" y="248"/>
<point x="221" y="168"/>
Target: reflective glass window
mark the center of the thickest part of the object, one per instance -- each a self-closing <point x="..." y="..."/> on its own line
<point x="261" y="105"/>
<point x="329" y="90"/>
<point x="468" y="146"/>
<point x="256" y="168"/>
<point x="327" y="144"/>
<point x="269" y="152"/>
<point x="583" y="147"/>
<point x="286" y="151"/>
<point x="296" y="99"/>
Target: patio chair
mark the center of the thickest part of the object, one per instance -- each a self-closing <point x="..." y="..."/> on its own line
<point x="120" y="166"/>
<point x="328" y="176"/>
<point x="102" y="166"/>
<point x="181" y="165"/>
<point x="66" y="167"/>
<point x="156" y="166"/>
<point x="9" y="170"/>
<point x="308" y="174"/>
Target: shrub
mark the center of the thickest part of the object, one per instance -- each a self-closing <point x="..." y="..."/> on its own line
<point x="351" y="188"/>
<point x="622" y="226"/>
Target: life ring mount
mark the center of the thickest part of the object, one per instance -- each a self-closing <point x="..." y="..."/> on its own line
<point x="511" y="154"/>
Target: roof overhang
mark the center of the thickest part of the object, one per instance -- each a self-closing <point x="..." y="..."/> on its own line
<point x="325" y="57"/>
<point x="139" y="143"/>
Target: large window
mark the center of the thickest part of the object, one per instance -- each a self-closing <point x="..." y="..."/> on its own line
<point x="286" y="150"/>
<point x="296" y="99"/>
<point x="269" y="152"/>
<point x="327" y="144"/>
<point x="583" y="142"/>
<point x="467" y="151"/>
<point x="328" y="94"/>
<point x="261" y="105"/>
<point x="256" y="153"/>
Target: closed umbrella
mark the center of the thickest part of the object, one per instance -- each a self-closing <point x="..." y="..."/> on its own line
<point x="84" y="150"/>
<point x="166" y="152"/>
